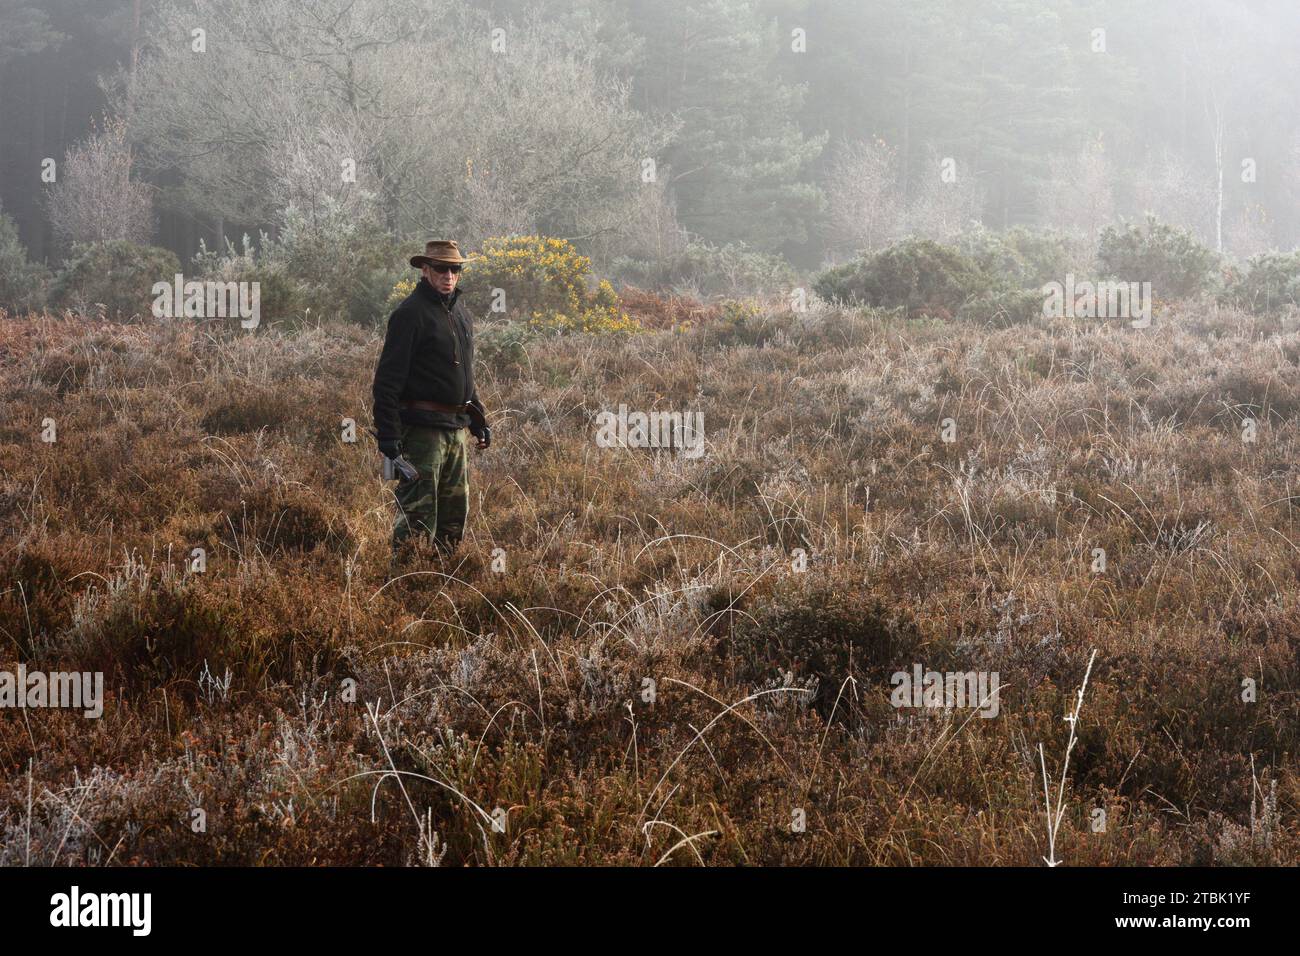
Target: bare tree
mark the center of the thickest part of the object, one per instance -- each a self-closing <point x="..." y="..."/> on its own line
<point x="651" y="231"/>
<point x="94" y="198"/>
<point x="1168" y="188"/>
<point x="493" y="206"/>
<point x="300" y="90"/>
<point x="315" y="172"/>
<point x="861" y="189"/>
<point x="1249" y="232"/>
<point x="1225" y="49"/>
<point x="945" y="201"/>
<point x="1077" y="199"/>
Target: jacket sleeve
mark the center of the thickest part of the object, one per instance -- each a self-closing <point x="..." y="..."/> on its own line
<point x="390" y="374"/>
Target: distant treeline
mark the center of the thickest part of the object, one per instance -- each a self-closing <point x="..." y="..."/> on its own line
<point x="806" y="129"/>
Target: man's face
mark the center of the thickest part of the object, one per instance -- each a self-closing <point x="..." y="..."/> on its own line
<point x="445" y="280"/>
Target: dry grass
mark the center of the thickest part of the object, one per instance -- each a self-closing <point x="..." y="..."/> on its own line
<point x="519" y="696"/>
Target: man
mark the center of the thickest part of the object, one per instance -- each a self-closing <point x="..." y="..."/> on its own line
<point x="425" y="398"/>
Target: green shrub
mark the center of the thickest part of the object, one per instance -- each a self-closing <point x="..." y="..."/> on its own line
<point x="1176" y="265"/>
<point x="346" y="272"/>
<point x="503" y="345"/>
<point x="22" y="283"/>
<point x="918" y="275"/>
<point x="367" y="296"/>
<point x="1002" y="307"/>
<point x="280" y="295"/>
<point x="742" y="323"/>
<point x="1271" y="282"/>
<point x="116" y="275"/>
<point x="1019" y="258"/>
<point x="708" y="270"/>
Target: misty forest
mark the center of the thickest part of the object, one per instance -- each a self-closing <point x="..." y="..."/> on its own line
<point x="894" y="414"/>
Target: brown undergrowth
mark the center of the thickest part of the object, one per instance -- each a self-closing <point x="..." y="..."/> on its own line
<point x="652" y="679"/>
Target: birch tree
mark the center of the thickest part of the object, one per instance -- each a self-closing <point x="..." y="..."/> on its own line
<point x="370" y="108"/>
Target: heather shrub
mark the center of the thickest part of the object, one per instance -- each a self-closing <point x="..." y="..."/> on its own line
<point x="631" y="573"/>
<point x="656" y="311"/>
<point x="823" y="632"/>
<point x="250" y="408"/>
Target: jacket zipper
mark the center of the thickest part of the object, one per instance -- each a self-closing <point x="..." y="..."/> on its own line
<point x="455" y="343"/>
<point x="455" y="339"/>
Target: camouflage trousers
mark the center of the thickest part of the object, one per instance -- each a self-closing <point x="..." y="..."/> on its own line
<point x="435" y="506"/>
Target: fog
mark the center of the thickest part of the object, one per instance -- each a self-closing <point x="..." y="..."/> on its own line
<point x="799" y="130"/>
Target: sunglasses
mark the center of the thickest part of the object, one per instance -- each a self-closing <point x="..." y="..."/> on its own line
<point x="443" y="268"/>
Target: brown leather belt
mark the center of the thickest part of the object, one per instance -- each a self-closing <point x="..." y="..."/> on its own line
<point x="436" y="407"/>
<point x="476" y="416"/>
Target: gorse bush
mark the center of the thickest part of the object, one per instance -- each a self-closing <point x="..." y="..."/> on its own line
<point x="599" y="313"/>
<point x="401" y="289"/>
<point x="708" y="270"/>
<point x="1271" y="282"/>
<point x="920" y="276"/>
<point x="543" y="281"/>
<point x="518" y="276"/>
<point x="1176" y="265"/>
<point x="345" y="269"/>
<point x="117" y="276"/>
<point x="281" y="295"/>
<point x="1020" y="258"/>
<point x="22" y="283"/>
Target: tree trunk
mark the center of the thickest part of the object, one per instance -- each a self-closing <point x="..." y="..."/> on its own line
<point x="907" y="124"/>
<point x="1218" y="166"/>
<point x="135" y="39"/>
<point x="39" y="233"/>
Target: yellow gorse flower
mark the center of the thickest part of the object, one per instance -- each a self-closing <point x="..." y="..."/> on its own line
<point x="546" y="279"/>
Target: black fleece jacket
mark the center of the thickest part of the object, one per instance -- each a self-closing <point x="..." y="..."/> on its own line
<point x="428" y="356"/>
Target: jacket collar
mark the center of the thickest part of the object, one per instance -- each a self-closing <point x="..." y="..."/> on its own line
<point x="433" y="295"/>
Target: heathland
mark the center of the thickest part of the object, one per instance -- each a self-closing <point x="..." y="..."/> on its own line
<point x="639" y="656"/>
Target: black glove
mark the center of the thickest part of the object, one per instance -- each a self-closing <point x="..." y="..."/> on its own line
<point x="483" y="433"/>
<point x="390" y="447"/>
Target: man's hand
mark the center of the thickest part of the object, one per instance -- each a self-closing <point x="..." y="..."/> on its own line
<point x="390" y="447"/>
<point x="478" y="426"/>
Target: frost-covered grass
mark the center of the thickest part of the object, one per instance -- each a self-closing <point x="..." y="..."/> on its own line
<point x="651" y="680"/>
